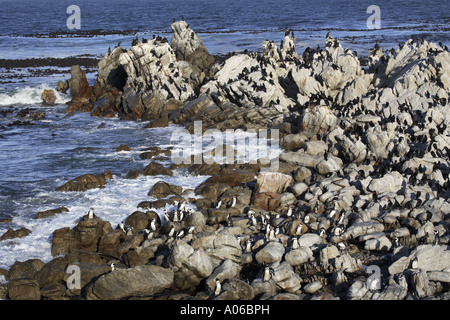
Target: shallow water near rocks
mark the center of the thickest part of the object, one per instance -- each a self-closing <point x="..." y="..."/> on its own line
<point x="38" y="158"/>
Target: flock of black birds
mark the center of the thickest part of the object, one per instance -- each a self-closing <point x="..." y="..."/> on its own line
<point x="418" y="142"/>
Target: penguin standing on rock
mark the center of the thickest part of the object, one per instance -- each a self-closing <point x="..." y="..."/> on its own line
<point x="268" y="273"/>
<point x="248" y="246"/>
<point x="91" y="213"/>
<point x="233" y="202"/>
<point x="153" y="224"/>
<point x="171" y="232"/>
<point x="229" y="220"/>
<point x="218" y="287"/>
<point x="294" y="243"/>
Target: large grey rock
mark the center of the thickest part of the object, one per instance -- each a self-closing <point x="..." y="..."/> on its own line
<point x="325" y="167"/>
<point x="272" y="252"/>
<point x="377" y="142"/>
<point x="236" y="289"/>
<point x="391" y="292"/>
<point x="189" y="265"/>
<point x="196" y="219"/>
<point x="24" y="289"/>
<point x="357" y="290"/>
<point x="320" y="120"/>
<point x="420" y="284"/>
<point x="441" y="276"/>
<point x="361" y="228"/>
<point x="143" y="253"/>
<point x="138" y="281"/>
<point x="299" y="188"/>
<point x="227" y="270"/>
<point x="88" y="272"/>
<point x="259" y="286"/>
<point x="52" y="271"/>
<point x="286" y="278"/>
<point x="293" y="141"/>
<point x="188" y="46"/>
<point x="390" y="182"/>
<point x="273" y="182"/>
<point x="298" y="256"/>
<point x="431" y="257"/>
<point x="424" y="257"/>
<point x="25" y="269"/>
<point x="219" y="246"/>
<point x="309" y="240"/>
<point x="379" y="244"/>
<point x="312" y="287"/>
<point x="333" y="260"/>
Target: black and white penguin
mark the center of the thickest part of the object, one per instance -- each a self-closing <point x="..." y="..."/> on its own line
<point x="166" y="215"/>
<point x="181" y="205"/>
<point x="252" y="220"/>
<point x="248" y="246"/>
<point x="294" y="243"/>
<point x="233" y="202"/>
<point x="229" y="220"/>
<point x="91" y="213"/>
<point x="218" y="287"/>
<point x="268" y="273"/>
<point x="180" y="234"/>
<point x="191" y="230"/>
<point x="436" y="237"/>
<point x="298" y="230"/>
<point x="153" y="224"/>
<point x="171" y="232"/>
<point x="289" y="212"/>
<point x="322" y="233"/>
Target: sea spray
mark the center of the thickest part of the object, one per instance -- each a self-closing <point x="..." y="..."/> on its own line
<point x="25" y="96"/>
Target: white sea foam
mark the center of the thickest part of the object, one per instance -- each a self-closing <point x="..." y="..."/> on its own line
<point x="29" y="96"/>
<point x="81" y="147"/>
<point x="113" y="203"/>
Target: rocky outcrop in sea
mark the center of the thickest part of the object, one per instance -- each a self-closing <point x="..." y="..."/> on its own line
<point x="358" y="208"/>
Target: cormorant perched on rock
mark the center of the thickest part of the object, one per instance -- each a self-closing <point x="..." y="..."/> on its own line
<point x="135" y="41"/>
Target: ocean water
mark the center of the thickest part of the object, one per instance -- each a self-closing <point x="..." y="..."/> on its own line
<point x="36" y="159"/>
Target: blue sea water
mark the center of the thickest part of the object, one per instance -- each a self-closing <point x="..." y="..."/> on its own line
<point x="36" y="159"/>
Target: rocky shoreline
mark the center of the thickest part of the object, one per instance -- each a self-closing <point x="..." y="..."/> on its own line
<point x="358" y="208"/>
